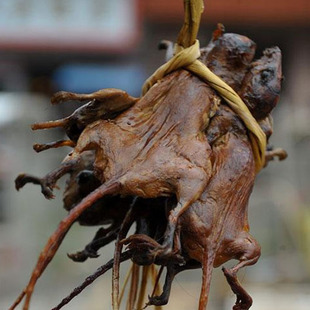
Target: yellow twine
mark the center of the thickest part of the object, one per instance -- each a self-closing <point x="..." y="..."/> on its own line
<point x="187" y="58"/>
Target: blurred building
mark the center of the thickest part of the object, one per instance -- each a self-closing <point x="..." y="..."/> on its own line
<point x="85" y="45"/>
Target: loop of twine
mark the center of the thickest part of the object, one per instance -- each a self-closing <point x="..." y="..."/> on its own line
<point x="183" y="57"/>
<point x="187" y="58"/>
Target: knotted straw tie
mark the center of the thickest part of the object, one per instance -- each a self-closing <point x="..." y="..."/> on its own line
<point x="187" y="58"/>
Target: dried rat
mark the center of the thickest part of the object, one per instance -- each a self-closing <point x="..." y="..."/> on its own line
<point x="215" y="228"/>
<point x="199" y="237"/>
<point x="179" y="141"/>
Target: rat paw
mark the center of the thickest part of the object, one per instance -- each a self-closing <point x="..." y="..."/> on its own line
<point x="82" y="256"/>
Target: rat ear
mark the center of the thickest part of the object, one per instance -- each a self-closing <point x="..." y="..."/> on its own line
<point x="218" y="32"/>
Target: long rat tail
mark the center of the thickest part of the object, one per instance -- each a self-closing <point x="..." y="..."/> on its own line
<point x="56" y="238"/>
<point x="207" y="268"/>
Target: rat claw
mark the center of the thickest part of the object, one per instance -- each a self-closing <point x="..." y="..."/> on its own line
<point x="20" y="181"/>
<point x="142" y="247"/>
<point x="157" y="301"/>
<point x="140" y="239"/>
<point x="47" y="192"/>
<point x="244" y="300"/>
<point x="162" y="254"/>
<point x="78" y="256"/>
<point x="23" y="179"/>
<point x="82" y="256"/>
<point x="43" y="147"/>
<point x="165" y="255"/>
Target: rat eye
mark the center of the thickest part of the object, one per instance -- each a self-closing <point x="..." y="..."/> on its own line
<point x="266" y="75"/>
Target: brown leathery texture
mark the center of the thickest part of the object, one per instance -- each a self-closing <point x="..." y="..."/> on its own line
<point x="177" y="163"/>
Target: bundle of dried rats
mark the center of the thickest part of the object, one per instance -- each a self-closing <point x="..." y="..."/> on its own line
<point x="177" y="162"/>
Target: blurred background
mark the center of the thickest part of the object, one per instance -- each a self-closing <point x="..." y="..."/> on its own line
<point x="86" y="45"/>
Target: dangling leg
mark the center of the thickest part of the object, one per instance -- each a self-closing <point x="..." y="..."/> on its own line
<point x="172" y="271"/>
<point x="244" y="300"/>
<point x="53" y="145"/>
<point x="164" y="253"/>
<point x="105" y="103"/>
<point x="207" y="267"/>
<point x="50" y="124"/>
<point x="155" y="277"/>
<point x="102" y="238"/>
<point x="189" y="189"/>
<point x="271" y="154"/>
<point x="48" y="183"/>
<point x="56" y="238"/>
<point x="143" y="242"/>
<point x="248" y="251"/>
<point x="110" y="96"/>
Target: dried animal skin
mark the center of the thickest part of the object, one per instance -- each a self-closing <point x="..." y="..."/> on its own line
<point x="215" y="228"/>
<point x="175" y="154"/>
<point x="107" y="210"/>
<point x="262" y="84"/>
<point x="82" y="182"/>
<point x="163" y="154"/>
<point x="103" y="104"/>
<point x="228" y="133"/>
<point x="176" y="142"/>
<point x="229" y="56"/>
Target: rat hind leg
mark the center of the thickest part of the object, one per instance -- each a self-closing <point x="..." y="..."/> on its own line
<point x="248" y="253"/>
<point x="47" y="183"/>
<point x="189" y="188"/>
<point x="53" y="145"/>
<point x="107" y="94"/>
<point x="102" y="238"/>
<point x="103" y="104"/>
<point x="172" y="271"/>
<point x="244" y="300"/>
